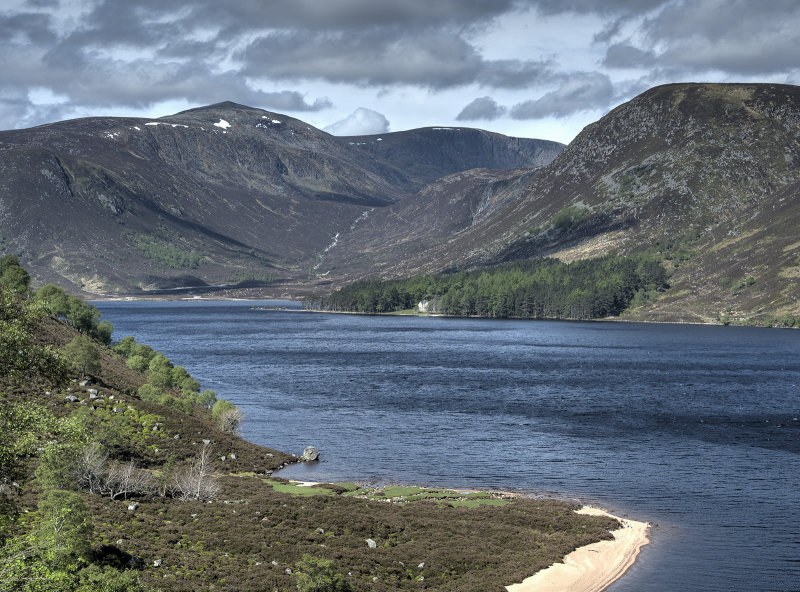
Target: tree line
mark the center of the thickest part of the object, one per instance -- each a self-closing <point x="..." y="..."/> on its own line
<point x="536" y="289"/>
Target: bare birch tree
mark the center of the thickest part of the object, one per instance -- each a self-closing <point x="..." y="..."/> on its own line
<point x="195" y="481"/>
<point x="125" y="479"/>
<point x="90" y="468"/>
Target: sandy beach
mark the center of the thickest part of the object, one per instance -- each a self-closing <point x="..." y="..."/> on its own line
<point x="594" y="567"/>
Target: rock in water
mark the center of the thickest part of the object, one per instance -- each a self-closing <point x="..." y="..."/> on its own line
<point x="310" y="453"/>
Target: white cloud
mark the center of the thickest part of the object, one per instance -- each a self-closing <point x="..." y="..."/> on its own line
<point x="361" y="122"/>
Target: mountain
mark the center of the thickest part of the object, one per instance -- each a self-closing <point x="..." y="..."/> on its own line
<point x="707" y="175"/>
<point x="427" y="154"/>
<point x="224" y="194"/>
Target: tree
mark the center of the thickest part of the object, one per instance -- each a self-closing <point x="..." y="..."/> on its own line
<point x="125" y="346"/>
<point x="319" y="575"/>
<point x="207" y="399"/>
<point x="74" y="311"/>
<point x="63" y="531"/>
<point x="230" y="420"/>
<point x="54" y="300"/>
<point x="22" y="428"/>
<point x="90" y="469"/>
<point x="13" y="276"/>
<point x="57" y="466"/>
<point x="150" y="392"/>
<point x="229" y="417"/>
<point x="19" y="355"/>
<point x="82" y="354"/>
<point x="195" y="480"/>
<point x="122" y="479"/>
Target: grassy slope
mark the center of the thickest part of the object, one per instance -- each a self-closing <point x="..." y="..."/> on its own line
<point x="252" y="533"/>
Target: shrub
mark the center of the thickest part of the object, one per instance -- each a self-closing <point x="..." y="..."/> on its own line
<point x="319" y="575"/>
<point x="125" y="346"/>
<point x="138" y="363"/>
<point x="107" y="579"/>
<point x="151" y="393"/>
<point x="181" y="405"/>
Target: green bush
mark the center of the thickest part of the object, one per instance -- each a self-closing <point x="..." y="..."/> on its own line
<point x="83" y="356"/>
<point x="125" y="346"/>
<point x="138" y="363"/>
<point x="206" y="399"/>
<point x="13" y="276"/>
<point x="319" y="575"/>
<point x="63" y="531"/>
<point x="57" y="463"/>
<point x="82" y="316"/>
<point x="176" y="403"/>
<point x="150" y="392"/>
<point x="107" y="579"/>
<point x="20" y="357"/>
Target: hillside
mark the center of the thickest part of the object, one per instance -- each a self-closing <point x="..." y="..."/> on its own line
<point x="103" y="489"/>
<point x="705" y="175"/>
<point x="248" y="203"/>
<point x="219" y="195"/>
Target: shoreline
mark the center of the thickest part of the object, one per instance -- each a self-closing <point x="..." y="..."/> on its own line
<point x="594" y="567"/>
<point x="591" y="568"/>
<point x="161" y="298"/>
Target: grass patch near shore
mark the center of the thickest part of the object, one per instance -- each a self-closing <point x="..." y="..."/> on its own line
<point x="397" y="494"/>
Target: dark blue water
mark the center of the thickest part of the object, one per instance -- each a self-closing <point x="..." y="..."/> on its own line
<point x="694" y="428"/>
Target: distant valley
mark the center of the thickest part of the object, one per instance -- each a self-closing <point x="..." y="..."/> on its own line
<point x="252" y="203"/>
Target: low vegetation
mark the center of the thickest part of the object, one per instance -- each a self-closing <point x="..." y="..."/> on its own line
<point x="164" y="253"/>
<point x="105" y="487"/>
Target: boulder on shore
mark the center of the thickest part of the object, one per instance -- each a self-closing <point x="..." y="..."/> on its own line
<point x="310" y="453"/>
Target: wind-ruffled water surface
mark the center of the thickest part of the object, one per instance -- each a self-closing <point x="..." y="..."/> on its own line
<point x="694" y="428"/>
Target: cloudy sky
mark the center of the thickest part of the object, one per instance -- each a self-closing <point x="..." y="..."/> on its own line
<point x="531" y="68"/>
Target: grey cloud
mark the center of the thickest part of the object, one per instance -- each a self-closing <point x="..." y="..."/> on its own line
<point x="610" y="30"/>
<point x="433" y="59"/>
<point x="48" y="4"/>
<point x="736" y="37"/>
<point x="485" y="108"/>
<point x="581" y="92"/>
<point x="290" y="100"/>
<point x="598" y="7"/>
<point x="28" y="27"/>
<point x="361" y="122"/>
<point x="623" y="55"/>
<point x="513" y="73"/>
<point x="350" y="15"/>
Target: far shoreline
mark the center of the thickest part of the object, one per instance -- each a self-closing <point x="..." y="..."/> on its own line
<point x="161" y="298"/>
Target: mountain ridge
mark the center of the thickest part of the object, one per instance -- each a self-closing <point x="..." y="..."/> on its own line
<point x="215" y="195"/>
<point x="704" y="175"/>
